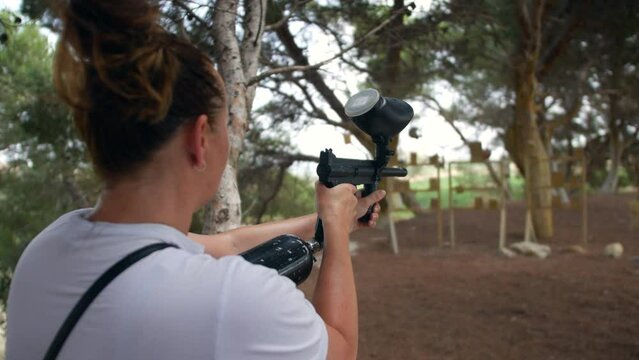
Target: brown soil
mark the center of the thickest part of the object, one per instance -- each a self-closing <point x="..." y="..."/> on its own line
<point x="471" y="303"/>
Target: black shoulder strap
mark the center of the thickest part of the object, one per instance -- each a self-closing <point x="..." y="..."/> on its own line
<point x="92" y="293"/>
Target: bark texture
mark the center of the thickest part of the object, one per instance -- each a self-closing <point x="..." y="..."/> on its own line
<point x="523" y="141"/>
<point x="237" y="60"/>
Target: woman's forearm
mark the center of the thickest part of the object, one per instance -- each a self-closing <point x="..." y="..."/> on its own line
<point x="303" y="227"/>
<point x="335" y="298"/>
<point x="243" y="238"/>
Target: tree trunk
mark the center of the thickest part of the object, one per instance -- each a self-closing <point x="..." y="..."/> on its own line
<point x="530" y="155"/>
<point x="616" y="152"/>
<point x="526" y="146"/>
<point x="389" y="86"/>
<point x="636" y="169"/>
<point x="615" y="124"/>
<point x="236" y="62"/>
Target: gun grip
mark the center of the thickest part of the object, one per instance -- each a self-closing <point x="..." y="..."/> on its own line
<point x="319" y="232"/>
<point x="368" y="189"/>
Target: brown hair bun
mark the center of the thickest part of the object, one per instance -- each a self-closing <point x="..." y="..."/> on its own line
<point x="122" y="42"/>
<point x="127" y="80"/>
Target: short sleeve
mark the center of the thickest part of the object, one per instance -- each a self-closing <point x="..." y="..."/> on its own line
<point x="264" y="316"/>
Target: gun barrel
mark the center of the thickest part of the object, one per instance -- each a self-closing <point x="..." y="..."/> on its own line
<point x="393" y="172"/>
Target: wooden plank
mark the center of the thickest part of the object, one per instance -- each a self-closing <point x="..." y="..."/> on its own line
<point x="493" y="204"/>
<point x="558" y="178"/>
<point x="477" y="188"/>
<point x="401" y="186"/>
<point x="434" y="203"/>
<point x="433" y="184"/>
<point x="477" y="153"/>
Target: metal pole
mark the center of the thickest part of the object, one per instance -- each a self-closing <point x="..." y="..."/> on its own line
<point x="391" y="222"/>
<point x="529" y="231"/>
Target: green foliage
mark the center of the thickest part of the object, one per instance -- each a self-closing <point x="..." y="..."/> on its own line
<point x="268" y="191"/>
<point x="588" y="56"/>
<point x="598" y="176"/>
<point x="296" y="198"/>
<point x="44" y="172"/>
<point x="35" y="125"/>
<point x="398" y="60"/>
<point x="8" y="23"/>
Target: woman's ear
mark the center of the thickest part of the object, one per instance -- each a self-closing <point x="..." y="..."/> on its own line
<point x="197" y="141"/>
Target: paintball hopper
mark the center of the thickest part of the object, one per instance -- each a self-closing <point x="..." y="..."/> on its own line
<point x="379" y="116"/>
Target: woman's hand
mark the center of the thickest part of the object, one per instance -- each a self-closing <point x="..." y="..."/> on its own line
<point x="343" y="205"/>
<point x="363" y="204"/>
<point x="337" y="206"/>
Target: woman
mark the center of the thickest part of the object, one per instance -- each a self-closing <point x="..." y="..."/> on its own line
<point x="153" y="114"/>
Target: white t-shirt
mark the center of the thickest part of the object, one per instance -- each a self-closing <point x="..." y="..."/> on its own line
<point x="173" y="304"/>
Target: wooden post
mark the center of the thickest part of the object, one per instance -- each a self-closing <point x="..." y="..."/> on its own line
<point x="393" y="234"/>
<point x="391" y="222"/>
<point x="584" y="202"/>
<point x="440" y="225"/>
<point x="451" y="206"/>
<point x="502" y="200"/>
<point x="529" y="232"/>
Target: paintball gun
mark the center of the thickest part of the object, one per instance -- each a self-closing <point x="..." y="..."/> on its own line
<point x="380" y="117"/>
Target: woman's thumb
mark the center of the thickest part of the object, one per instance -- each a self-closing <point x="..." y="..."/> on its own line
<point x="375" y="197"/>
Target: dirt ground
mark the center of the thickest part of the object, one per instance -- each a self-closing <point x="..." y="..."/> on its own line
<point x="471" y="303"/>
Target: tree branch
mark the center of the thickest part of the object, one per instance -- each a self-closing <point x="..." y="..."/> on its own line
<point x="208" y="25"/>
<point x="288" y="157"/>
<point x="449" y="119"/>
<point x="370" y="33"/>
<point x="279" y="23"/>
<point x="557" y="45"/>
<point x="313" y="77"/>
<point x="279" y="181"/>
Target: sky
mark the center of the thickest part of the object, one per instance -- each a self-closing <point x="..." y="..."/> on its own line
<point x="11" y="4"/>
<point x="437" y="136"/>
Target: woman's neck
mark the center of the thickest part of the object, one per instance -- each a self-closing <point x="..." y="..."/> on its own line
<point x="144" y="202"/>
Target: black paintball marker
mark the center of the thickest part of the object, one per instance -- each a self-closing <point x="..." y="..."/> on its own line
<point x="380" y="117"/>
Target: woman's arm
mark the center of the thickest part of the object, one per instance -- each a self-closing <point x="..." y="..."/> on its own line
<point x="236" y="241"/>
<point x="241" y="239"/>
<point x="335" y="298"/>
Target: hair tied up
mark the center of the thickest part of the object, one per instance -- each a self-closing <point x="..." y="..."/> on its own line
<point x="118" y="16"/>
<point x="124" y="45"/>
<point x="129" y="82"/>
